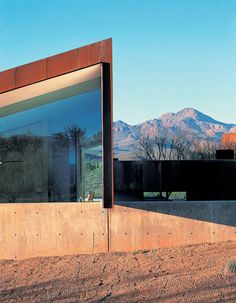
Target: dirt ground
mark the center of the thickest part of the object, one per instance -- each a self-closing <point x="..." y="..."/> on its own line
<point x="196" y="273"/>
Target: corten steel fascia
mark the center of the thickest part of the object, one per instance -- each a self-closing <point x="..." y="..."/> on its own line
<point x="60" y="64"/>
<point x="56" y="65"/>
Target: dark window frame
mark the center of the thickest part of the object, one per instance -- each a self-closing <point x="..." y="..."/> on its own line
<point x="107" y="137"/>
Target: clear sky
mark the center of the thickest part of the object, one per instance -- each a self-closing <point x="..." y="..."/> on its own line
<point x="167" y="54"/>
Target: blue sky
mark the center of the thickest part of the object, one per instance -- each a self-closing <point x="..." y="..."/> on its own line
<point x="167" y="54"/>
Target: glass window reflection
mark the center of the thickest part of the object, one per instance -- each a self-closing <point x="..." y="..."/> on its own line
<point x="51" y="146"/>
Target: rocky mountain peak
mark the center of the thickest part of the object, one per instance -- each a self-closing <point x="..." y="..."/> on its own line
<point x="189" y="119"/>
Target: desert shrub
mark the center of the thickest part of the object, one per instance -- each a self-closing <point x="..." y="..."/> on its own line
<point x="232" y="266"/>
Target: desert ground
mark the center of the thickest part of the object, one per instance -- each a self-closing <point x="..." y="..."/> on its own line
<point x="195" y="273"/>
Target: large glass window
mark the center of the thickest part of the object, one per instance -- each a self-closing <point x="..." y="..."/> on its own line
<point x="51" y="140"/>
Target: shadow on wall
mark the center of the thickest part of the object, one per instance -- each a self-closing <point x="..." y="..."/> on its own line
<point x="219" y="212"/>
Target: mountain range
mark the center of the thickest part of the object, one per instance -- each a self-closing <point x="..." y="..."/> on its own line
<point x="191" y="120"/>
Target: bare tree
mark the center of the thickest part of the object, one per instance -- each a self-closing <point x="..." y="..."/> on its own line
<point x="181" y="144"/>
<point x="145" y="149"/>
<point x="205" y="149"/>
<point x="161" y="142"/>
<point x="165" y="146"/>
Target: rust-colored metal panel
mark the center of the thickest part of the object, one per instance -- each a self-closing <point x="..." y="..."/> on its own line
<point x="31" y="73"/>
<point x="7" y="80"/>
<point x="57" y="65"/>
<point x="229" y="138"/>
<point x="62" y="63"/>
<point x="47" y="229"/>
<point x="106" y="50"/>
<point x="94" y="53"/>
<point x="83" y="57"/>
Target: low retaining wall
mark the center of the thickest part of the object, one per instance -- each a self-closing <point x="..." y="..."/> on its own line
<point x="45" y="229"/>
<point x="141" y="225"/>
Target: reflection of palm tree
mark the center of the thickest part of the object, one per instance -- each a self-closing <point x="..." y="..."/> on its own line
<point x="71" y="134"/>
<point x="75" y="137"/>
<point x="94" y="141"/>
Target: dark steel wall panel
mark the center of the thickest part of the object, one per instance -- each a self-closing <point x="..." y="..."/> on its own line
<point x="202" y="180"/>
<point x="151" y="169"/>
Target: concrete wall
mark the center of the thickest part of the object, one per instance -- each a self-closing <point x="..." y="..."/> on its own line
<point x="140" y="225"/>
<point x="44" y="229"/>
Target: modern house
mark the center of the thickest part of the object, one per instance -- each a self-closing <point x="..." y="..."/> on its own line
<point x="56" y="169"/>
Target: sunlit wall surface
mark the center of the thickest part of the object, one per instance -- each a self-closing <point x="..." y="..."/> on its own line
<point x="51" y="143"/>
